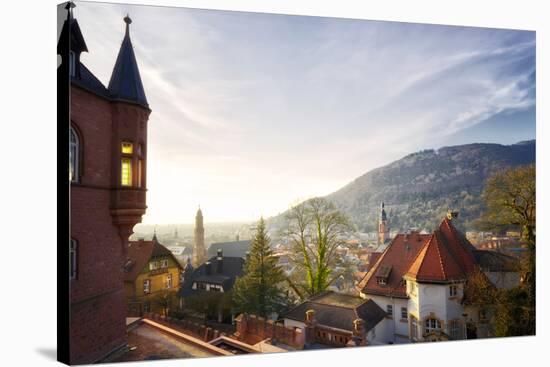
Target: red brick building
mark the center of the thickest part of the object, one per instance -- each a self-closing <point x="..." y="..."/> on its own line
<point x="107" y="173"/>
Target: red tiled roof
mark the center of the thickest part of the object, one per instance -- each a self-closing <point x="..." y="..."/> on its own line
<point x="139" y="253"/>
<point x="434" y="263"/>
<point x="399" y="255"/>
<point x="445" y="255"/>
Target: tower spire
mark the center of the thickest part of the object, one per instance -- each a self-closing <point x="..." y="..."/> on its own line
<point x="125" y="83"/>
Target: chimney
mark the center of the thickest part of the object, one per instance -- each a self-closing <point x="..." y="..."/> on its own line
<point x="452" y="214"/>
<point x="219" y="261"/>
<point x="208" y="266"/>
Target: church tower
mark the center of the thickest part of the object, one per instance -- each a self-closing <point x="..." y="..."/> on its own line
<point x="383" y="228"/>
<point x="199" y="252"/>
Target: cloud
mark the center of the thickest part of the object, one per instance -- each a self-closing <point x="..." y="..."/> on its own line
<point x="251" y="111"/>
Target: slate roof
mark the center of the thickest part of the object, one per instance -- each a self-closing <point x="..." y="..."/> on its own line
<point x="234" y="248"/>
<point x="231" y="269"/>
<point x="338" y="310"/>
<point x="139" y="254"/>
<point x="496" y="261"/>
<point x="125" y="83"/>
<point x="87" y="80"/>
<point x="443" y="256"/>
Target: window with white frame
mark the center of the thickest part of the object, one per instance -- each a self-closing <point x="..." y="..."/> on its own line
<point x="404" y="313"/>
<point x="147" y="286"/>
<point x="432" y="325"/>
<point x="164" y="263"/>
<point x="169" y="281"/>
<point x="455" y="329"/>
<point x="153" y="265"/>
<point x="73" y="258"/>
<point x="215" y="287"/>
<point x="389" y="310"/>
<point x="453" y="291"/>
<point x="74" y="149"/>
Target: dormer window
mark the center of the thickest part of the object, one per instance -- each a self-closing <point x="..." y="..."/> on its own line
<point x="383" y="274"/>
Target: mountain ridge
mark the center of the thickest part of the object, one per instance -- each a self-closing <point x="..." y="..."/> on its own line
<point x="421" y="187"/>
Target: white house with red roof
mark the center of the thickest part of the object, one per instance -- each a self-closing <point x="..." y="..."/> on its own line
<point x="419" y="281"/>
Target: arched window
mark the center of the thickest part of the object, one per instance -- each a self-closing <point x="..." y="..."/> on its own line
<point x="73" y="259"/>
<point x="74" y="150"/>
<point x="432" y="325"/>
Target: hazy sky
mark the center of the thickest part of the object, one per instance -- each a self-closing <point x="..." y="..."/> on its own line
<point x="252" y="112"/>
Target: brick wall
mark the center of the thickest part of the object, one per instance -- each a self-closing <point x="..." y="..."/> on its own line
<point x="252" y="329"/>
<point x="197" y="330"/>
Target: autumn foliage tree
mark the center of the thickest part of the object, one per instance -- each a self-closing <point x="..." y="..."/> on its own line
<point x="314" y="229"/>
<point x="510" y="200"/>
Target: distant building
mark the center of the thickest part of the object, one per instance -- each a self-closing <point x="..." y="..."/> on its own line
<point x="149" y="270"/>
<point x="199" y="250"/>
<point x="107" y="174"/>
<point x="419" y="281"/>
<point x="383" y="227"/>
<point x="335" y="320"/>
<point x="233" y="248"/>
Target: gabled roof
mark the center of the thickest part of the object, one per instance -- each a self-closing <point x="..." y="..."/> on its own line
<point x="338" y="310"/>
<point x="125" y="83"/>
<point x="398" y="257"/>
<point x="232" y="267"/>
<point x="139" y="254"/>
<point x="76" y="40"/>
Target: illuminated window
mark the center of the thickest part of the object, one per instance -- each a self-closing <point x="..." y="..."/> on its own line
<point x="73" y="155"/>
<point x="127" y="148"/>
<point x="73" y="262"/>
<point x="126" y="172"/>
<point x="147" y="286"/>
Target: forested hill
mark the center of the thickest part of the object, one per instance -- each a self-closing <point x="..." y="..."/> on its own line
<point x="419" y="188"/>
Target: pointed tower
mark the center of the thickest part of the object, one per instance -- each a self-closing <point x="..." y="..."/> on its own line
<point x="383" y="228"/>
<point x="199" y="252"/>
<point x="125" y="83"/>
<point x="130" y="112"/>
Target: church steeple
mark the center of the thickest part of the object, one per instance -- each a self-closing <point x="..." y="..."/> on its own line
<point x="383" y="228"/>
<point x="125" y="83"/>
<point x="199" y="250"/>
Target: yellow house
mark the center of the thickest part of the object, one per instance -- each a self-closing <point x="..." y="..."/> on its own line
<point x="152" y="277"/>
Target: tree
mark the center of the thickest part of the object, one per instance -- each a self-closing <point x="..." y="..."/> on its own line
<point x="510" y="199"/>
<point x="163" y="300"/>
<point x="259" y="290"/>
<point x="314" y="229"/>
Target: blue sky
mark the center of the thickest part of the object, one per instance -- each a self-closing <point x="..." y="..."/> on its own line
<point x="252" y="112"/>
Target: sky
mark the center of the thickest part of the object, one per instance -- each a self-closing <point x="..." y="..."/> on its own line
<point x="253" y="112"/>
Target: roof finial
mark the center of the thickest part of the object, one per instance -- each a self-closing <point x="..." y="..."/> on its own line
<point x="128" y="21"/>
<point x="70" y="5"/>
